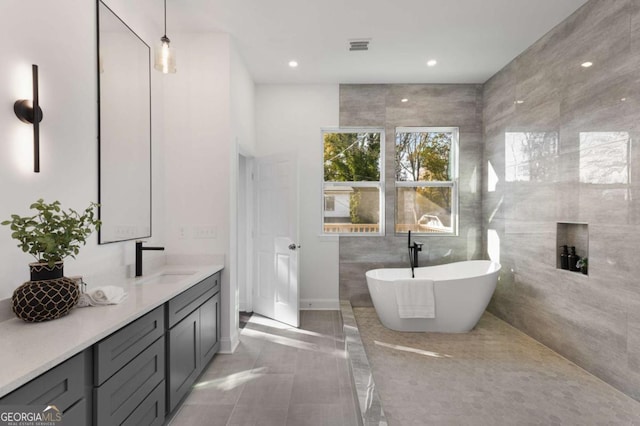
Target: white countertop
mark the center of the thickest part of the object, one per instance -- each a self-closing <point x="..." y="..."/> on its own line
<point x="30" y="349"/>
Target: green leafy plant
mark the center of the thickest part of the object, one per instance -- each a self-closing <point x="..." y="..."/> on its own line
<point x="53" y="234"/>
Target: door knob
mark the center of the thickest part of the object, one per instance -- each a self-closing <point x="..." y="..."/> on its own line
<point x="293" y="246"/>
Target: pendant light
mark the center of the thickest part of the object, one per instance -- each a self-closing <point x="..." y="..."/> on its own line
<point x="165" y="60"/>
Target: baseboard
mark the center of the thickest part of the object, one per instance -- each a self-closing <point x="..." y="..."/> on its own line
<point x="319" y="305"/>
<point x="228" y="345"/>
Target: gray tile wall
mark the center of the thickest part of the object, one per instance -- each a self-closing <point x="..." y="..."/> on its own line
<point x="591" y="178"/>
<point x="428" y="105"/>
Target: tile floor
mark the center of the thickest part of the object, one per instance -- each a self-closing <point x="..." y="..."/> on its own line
<point x="278" y="376"/>
<point x="494" y="375"/>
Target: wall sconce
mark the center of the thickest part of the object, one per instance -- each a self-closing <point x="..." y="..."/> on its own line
<point x="29" y="112"/>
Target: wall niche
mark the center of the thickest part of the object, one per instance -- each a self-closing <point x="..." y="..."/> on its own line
<point x="572" y="234"/>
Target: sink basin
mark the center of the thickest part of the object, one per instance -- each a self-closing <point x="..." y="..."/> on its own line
<point x="168" y="277"/>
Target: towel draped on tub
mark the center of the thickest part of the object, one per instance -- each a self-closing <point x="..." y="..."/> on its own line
<point x="415" y="298"/>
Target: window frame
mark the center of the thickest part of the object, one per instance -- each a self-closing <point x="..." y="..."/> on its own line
<point x="453" y="184"/>
<point x="356" y="184"/>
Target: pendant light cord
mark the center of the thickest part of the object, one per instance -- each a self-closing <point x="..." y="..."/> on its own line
<point x="165" y="18"/>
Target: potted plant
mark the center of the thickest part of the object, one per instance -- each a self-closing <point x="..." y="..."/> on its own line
<point x="583" y="265"/>
<point x="50" y="235"/>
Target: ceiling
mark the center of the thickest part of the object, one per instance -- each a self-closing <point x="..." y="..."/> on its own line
<point x="470" y="39"/>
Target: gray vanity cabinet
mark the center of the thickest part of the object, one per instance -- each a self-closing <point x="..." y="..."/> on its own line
<point x="67" y="386"/>
<point x="193" y="336"/>
<point x="129" y="371"/>
<point x="139" y="373"/>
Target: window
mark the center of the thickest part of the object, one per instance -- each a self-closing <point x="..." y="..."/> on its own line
<point x="353" y="182"/>
<point x="426" y="169"/>
<point x="329" y="203"/>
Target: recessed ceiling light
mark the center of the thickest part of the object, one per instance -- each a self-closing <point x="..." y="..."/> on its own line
<point x="431" y="63"/>
<point x="586" y="64"/>
<point x="293" y="64"/>
<point x="404" y="100"/>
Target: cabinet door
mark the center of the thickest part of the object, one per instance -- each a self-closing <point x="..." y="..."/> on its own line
<point x="184" y="358"/>
<point x="209" y="329"/>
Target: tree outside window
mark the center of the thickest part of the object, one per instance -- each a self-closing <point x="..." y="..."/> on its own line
<point x="353" y="180"/>
<point x="426" y="183"/>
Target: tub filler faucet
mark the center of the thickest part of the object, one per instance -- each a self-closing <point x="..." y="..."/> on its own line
<point x="413" y="253"/>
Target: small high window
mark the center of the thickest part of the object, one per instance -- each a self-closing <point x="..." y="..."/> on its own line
<point x="353" y="182"/>
<point x="426" y="170"/>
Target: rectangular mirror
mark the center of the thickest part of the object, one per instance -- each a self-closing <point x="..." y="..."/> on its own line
<point x="124" y="130"/>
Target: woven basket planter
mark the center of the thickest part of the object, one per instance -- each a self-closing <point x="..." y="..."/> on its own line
<point x="47" y="296"/>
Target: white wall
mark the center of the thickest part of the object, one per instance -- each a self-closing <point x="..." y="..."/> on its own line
<point x="289" y="119"/>
<point x="197" y="145"/>
<point x="209" y="113"/>
<point x="242" y="104"/>
<point x="60" y="37"/>
<point x="243" y="129"/>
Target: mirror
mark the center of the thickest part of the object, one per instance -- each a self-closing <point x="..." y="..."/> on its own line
<point x="124" y="130"/>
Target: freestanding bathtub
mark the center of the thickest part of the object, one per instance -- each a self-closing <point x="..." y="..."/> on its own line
<point x="462" y="291"/>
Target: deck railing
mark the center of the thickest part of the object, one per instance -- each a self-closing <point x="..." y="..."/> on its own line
<point x="351" y="228"/>
<point x="372" y="228"/>
<point x="421" y="229"/>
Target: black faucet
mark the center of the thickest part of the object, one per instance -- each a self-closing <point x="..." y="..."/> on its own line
<point x="413" y="253"/>
<point x="139" y="249"/>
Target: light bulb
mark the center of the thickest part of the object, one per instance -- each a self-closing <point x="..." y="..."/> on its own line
<point x="165" y="57"/>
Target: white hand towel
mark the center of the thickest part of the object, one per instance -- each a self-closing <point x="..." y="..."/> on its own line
<point x="85" y="301"/>
<point x="415" y="298"/>
<point x="108" y="295"/>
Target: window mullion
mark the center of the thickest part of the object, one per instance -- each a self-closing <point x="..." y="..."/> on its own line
<point x="424" y="184"/>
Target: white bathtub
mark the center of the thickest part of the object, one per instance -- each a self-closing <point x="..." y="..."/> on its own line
<point x="462" y="291"/>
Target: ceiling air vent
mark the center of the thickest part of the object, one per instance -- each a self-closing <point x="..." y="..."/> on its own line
<point x="359" y="45"/>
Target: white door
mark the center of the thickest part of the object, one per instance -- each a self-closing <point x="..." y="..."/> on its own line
<point x="275" y="293"/>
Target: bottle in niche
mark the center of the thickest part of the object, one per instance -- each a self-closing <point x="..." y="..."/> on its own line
<point x="564" y="258"/>
<point x="573" y="260"/>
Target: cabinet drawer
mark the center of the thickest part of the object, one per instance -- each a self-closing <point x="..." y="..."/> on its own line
<point x="151" y="411"/>
<point x="188" y="301"/>
<point x="61" y="386"/>
<point x="115" y="351"/>
<point x="79" y="414"/>
<point x="119" y="396"/>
